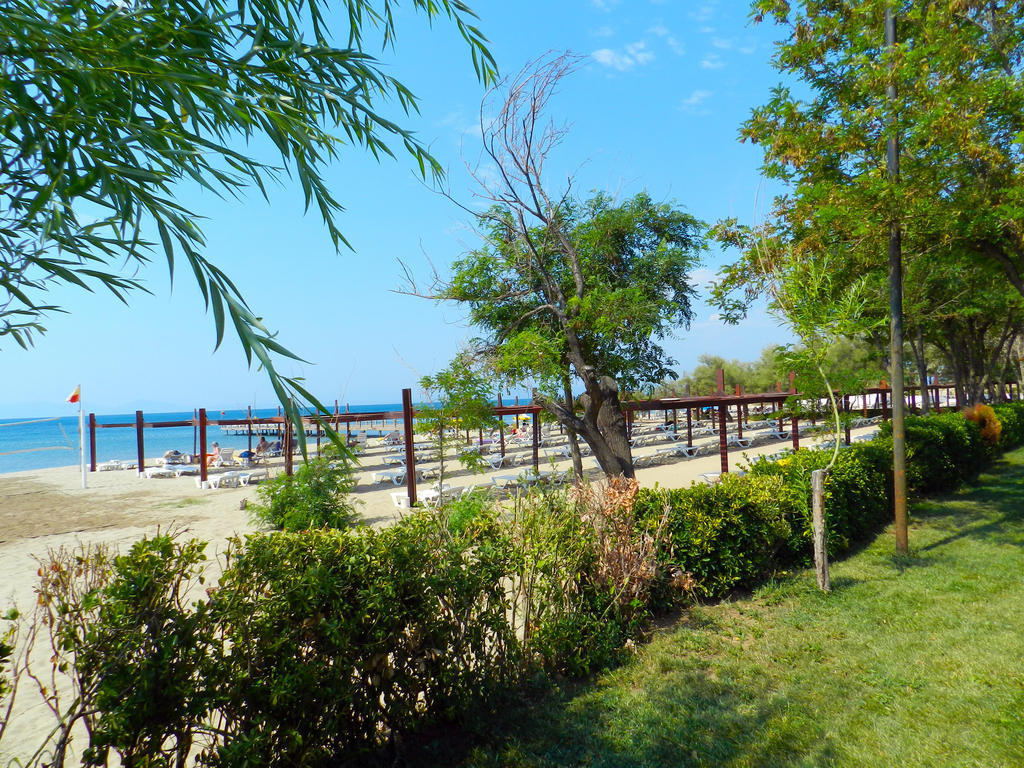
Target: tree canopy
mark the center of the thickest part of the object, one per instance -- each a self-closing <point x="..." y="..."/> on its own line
<point x="958" y="114"/>
<point x="633" y="262"/>
<point x="106" y="107"/>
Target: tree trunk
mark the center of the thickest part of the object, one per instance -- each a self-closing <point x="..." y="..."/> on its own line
<point x="917" y="346"/>
<point x="574" y="443"/>
<point x="819" y="531"/>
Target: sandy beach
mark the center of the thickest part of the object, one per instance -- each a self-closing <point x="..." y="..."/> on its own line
<point x="47" y="509"/>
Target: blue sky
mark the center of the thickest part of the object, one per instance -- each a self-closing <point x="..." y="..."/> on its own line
<point x="655" y="106"/>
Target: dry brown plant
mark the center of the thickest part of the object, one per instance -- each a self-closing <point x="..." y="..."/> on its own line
<point x="627" y="557"/>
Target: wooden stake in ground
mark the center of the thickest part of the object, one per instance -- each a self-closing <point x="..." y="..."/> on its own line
<point x="818" y="526"/>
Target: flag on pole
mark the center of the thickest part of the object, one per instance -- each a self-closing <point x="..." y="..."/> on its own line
<point x="75" y="396"/>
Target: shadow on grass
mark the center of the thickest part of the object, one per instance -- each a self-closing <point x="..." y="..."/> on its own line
<point x="982" y="511"/>
<point x="688" y="719"/>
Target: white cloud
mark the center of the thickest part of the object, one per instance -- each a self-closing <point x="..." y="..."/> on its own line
<point x="604" y="31"/>
<point x="694" y="100"/>
<point x="634" y="54"/>
<point x="748" y="49"/>
<point x="704" y="12"/>
<point x="723" y="44"/>
<point x="712" y="61"/>
<point x="640" y="53"/>
<point x="660" y="30"/>
<point x="604" y="5"/>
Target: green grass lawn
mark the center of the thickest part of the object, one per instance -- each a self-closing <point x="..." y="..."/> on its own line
<point x="911" y="661"/>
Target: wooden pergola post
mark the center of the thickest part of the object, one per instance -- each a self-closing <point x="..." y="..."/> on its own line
<point x="139" y="441"/>
<point x="723" y="444"/>
<point x="203" y="474"/>
<point x="92" y="442"/>
<point x="410" y="450"/>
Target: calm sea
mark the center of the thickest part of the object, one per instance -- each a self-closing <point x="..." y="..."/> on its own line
<point x="27" y="444"/>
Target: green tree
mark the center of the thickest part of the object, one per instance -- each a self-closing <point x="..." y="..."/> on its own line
<point x="105" y="107"/>
<point x="566" y="289"/>
<point x="459" y="398"/>
<point x="959" y="112"/>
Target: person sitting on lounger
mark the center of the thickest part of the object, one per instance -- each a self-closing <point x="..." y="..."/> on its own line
<point x="262" y="446"/>
<point x="214" y="453"/>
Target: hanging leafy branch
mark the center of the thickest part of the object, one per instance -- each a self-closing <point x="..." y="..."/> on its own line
<point x="106" y="108"/>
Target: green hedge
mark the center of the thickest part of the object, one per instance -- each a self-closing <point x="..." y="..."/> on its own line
<point x="732" y="535"/>
<point x="943" y="451"/>
<point x="340" y="641"/>
<point x="324" y="646"/>
<point x="1011" y="416"/>
<point x="726" y="535"/>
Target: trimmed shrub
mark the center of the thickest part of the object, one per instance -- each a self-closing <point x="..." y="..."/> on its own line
<point x="725" y="535"/>
<point x="316" y="496"/>
<point x="1011" y="417"/>
<point x="943" y="451"/>
<point x="858" y="495"/>
<point x="339" y="641"/>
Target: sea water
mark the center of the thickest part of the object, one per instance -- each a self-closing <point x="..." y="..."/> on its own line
<point x="38" y="443"/>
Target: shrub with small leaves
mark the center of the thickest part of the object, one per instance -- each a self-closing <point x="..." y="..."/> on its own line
<point x="726" y="535"/>
<point x="1011" y="419"/>
<point x="318" y="495"/>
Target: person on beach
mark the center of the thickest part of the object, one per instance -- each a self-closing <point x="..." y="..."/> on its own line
<point x="262" y="446"/>
<point x="214" y="453"/>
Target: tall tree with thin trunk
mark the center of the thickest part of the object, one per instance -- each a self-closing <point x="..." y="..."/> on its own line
<point x="565" y="289"/>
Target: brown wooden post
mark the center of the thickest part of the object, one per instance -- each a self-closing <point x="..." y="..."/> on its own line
<point x="720" y="382"/>
<point x="203" y="474"/>
<point x="195" y="431"/>
<point x="938" y="408"/>
<point x="885" y="406"/>
<point x="675" y="421"/>
<point x="501" y="429"/>
<point x="818" y="528"/>
<point x="689" y="427"/>
<point x="913" y="398"/>
<point x="92" y="442"/>
<point x="723" y="445"/>
<point x="796" y="423"/>
<point x="410" y="450"/>
<point x="139" y="442"/>
<point x="348" y="425"/>
<point x="536" y="440"/>
<point x="846" y="410"/>
<point x="289" y="448"/>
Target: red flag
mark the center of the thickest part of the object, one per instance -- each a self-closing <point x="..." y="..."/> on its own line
<point x="75" y="396"/>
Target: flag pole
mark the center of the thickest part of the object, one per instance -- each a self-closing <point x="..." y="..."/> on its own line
<point x="81" y="436"/>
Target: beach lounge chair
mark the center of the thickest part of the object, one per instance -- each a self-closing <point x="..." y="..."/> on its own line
<point x="497" y="461"/>
<point x="396" y="476"/>
<point x="150" y="472"/>
<point x="231" y="479"/>
<point x="224" y="458"/>
<point x="739" y="442"/>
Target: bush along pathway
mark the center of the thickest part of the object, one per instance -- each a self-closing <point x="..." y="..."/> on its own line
<point x="911" y="661"/>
